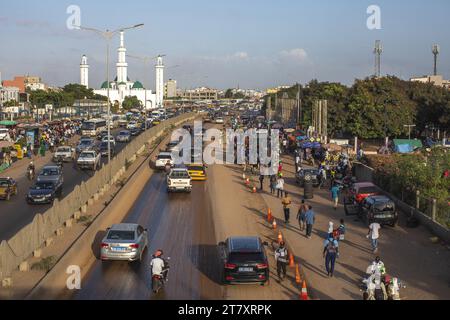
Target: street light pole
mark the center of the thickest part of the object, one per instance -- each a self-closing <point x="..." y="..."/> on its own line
<point x="108" y="35"/>
<point x="409" y="126"/>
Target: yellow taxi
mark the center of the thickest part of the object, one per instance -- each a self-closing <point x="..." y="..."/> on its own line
<point x="197" y="172"/>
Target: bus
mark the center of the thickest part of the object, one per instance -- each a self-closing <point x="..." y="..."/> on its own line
<point x="93" y="127"/>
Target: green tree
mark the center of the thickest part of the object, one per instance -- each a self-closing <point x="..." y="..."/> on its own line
<point x="229" y="94"/>
<point x="131" y="103"/>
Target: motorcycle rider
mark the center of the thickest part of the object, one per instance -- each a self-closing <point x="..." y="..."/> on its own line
<point x="377" y="267"/>
<point x="158" y="267"/>
<point x="31" y="168"/>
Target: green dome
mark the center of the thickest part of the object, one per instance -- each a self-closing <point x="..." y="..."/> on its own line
<point x="105" y="85"/>
<point x="138" y="85"/>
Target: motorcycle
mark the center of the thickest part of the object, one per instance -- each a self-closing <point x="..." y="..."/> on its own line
<point x="30" y="174"/>
<point x="388" y="287"/>
<point x="158" y="281"/>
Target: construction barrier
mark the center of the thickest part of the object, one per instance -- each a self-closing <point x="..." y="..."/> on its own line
<point x="44" y="226"/>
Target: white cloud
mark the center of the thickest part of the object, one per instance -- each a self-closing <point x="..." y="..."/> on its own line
<point x="297" y="54"/>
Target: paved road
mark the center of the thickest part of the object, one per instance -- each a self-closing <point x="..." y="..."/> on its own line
<point x="181" y="225"/>
<point x="16" y="213"/>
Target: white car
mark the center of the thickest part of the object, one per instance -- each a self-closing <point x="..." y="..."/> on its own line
<point x="131" y="125"/>
<point x="4" y="134"/>
<point x="111" y="138"/>
<point x="220" y="121"/>
<point x="162" y="160"/>
<point x="179" y="180"/>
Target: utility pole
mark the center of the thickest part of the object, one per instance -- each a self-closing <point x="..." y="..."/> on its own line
<point x="436" y="50"/>
<point x="378" y="51"/>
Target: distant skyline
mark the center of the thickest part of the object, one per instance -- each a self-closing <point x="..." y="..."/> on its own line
<point x="254" y="44"/>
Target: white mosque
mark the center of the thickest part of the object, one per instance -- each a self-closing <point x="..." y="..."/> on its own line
<point x="122" y="87"/>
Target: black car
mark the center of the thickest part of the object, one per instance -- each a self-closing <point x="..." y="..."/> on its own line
<point x="306" y="175"/>
<point x="379" y="209"/>
<point x="104" y="149"/>
<point x="102" y="134"/>
<point x="245" y="260"/>
<point x="43" y="193"/>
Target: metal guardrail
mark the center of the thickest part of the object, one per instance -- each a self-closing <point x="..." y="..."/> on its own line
<point x="30" y="238"/>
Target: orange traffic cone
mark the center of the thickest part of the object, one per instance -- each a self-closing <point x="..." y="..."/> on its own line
<point x="254" y="189"/>
<point x="291" y="260"/>
<point x="247" y="182"/>
<point x="280" y="237"/>
<point x="304" y="293"/>
<point x="298" y="279"/>
<point x="269" y="215"/>
<point x="274" y="224"/>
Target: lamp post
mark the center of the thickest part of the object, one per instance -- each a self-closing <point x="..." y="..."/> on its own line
<point x="409" y="126"/>
<point x="108" y="35"/>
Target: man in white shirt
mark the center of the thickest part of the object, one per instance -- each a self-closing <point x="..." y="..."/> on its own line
<point x="373" y="235"/>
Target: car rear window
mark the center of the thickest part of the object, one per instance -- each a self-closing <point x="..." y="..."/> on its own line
<point x="367" y="190"/>
<point x="163" y="156"/>
<point x="4" y="183"/>
<point x="384" y="207"/>
<point x="120" y="235"/>
<point x="196" y="168"/>
<point x="246" y="257"/>
<point x="63" y="150"/>
<point x="179" y="175"/>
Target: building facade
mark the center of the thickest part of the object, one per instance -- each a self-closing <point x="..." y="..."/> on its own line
<point x="170" y="89"/>
<point x="200" y="94"/>
<point x="18" y="82"/>
<point x="438" y="81"/>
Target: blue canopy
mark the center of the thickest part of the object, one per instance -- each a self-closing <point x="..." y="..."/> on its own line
<point x="404" y="148"/>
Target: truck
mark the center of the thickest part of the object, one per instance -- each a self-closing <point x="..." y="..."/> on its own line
<point x="179" y="180"/>
<point x="89" y="159"/>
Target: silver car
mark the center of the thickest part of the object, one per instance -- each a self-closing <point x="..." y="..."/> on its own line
<point x="125" y="242"/>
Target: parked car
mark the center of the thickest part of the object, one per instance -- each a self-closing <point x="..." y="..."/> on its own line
<point x="361" y="190"/>
<point x="131" y="125"/>
<point x="44" y="193"/>
<point x="64" y="153"/>
<point x="51" y="174"/>
<point x="85" y="144"/>
<point x="308" y="175"/>
<point x="135" y="131"/>
<point x="220" y="121"/>
<point x="379" y="209"/>
<point x="162" y="160"/>
<point x="8" y="188"/>
<point x="4" y="134"/>
<point x="244" y="260"/>
<point x="89" y="159"/>
<point x="123" y="136"/>
<point x="125" y="241"/>
<point x="179" y="180"/>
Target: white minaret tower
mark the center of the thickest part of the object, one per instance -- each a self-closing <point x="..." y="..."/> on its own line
<point x="122" y="64"/>
<point x="159" y="82"/>
<point x="84" y="72"/>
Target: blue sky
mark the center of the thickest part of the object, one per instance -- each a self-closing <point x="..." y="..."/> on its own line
<point x="250" y="43"/>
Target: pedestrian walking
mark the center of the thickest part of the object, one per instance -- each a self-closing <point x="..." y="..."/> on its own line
<point x="273" y="183"/>
<point x="286" y="203"/>
<point x="280" y="186"/>
<point x="330" y="253"/>
<point x="261" y="181"/>
<point x="373" y="235"/>
<point x="335" y="195"/>
<point x="330" y="229"/>
<point x="322" y="177"/>
<point x="301" y="215"/>
<point x="310" y="219"/>
<point x="281" y="257"/>
<point x="297" y="161"/>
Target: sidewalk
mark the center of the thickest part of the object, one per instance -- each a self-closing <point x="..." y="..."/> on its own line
<point x="407" y="253"/>
<point x="238" y="212"/>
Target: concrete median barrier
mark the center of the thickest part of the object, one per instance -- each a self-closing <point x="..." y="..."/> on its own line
<point x="22" y="245"/>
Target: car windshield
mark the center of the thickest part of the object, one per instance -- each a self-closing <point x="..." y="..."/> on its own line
<point x="179" y="175"/>
<point x="63" y="150"/>
<point x="123" y="133"/>
<point x="85" y="142"/>
<point x="196" y="168"/>
<point x="384" y="207"/>
<point x="50" y="172"/>
<point x="367" y="190"/>
<point x="246" y="257"/>
<point x="87" y="155"/>
<point x="4" y="183"/>
<point x="43" y="186"/>
<point x="120" y="235"/>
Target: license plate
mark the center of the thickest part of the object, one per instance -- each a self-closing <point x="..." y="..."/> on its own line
<point x="245" y="269"/>
<point x="38" y="199"/>
<point x="118" y="249"/>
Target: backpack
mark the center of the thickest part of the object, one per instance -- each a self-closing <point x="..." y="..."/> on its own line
<point x="331" y="248"/>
